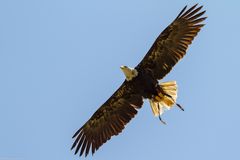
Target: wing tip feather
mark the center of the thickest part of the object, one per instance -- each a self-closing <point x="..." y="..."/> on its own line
<point x="190" y="12"/>
<point x="181" y="12"/>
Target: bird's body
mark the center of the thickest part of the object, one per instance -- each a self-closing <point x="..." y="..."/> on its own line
<point x="161" y="96"/>
<point x="142" y="83"/>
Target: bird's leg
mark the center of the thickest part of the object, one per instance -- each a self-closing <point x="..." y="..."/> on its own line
<point x="169" y="96"/>
<point x="160" y="115"/>
<point x="161" y="120"/>
<point x="179" y="106"/>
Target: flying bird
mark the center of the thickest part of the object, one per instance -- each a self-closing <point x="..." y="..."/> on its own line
<point x="142" y="83"/>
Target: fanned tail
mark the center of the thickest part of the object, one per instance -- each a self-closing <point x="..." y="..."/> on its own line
<point x="167" y="96"/>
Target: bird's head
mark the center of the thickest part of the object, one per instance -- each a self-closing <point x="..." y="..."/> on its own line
<point x="130" y="73"/>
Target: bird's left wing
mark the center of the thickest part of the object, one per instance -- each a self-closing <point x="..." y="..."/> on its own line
<point x="110" y="119"/>
<point x="172" y="43"/>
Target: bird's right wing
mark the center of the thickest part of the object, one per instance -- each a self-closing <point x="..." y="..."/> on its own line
<point x="110" y="119"/>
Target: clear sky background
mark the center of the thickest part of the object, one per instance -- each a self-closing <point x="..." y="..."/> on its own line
<point x="60" y="59"/>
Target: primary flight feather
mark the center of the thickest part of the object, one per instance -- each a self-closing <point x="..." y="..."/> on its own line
<point x="142" y="82"/>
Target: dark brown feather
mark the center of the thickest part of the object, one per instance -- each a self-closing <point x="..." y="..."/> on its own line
<point x="188" y="11"/>
<point x="173" y="42"/>
<point x="109" y="120"/>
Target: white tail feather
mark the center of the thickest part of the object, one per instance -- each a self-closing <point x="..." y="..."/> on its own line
<point x="164" y="102"/>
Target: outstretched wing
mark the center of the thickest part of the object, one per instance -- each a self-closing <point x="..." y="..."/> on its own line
<point x="172" y="43"/>
<point x="110" y="119"/>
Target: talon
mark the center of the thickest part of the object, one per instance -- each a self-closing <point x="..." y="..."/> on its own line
<point x="179" y="106"/>
<point x="161" y="120"/>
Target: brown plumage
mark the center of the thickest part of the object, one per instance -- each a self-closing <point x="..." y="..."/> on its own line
<point x="111" y="118"/>
<point x="172" y="43"/>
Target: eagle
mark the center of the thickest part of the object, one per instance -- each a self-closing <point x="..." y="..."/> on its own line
<point x="142" y="82"/>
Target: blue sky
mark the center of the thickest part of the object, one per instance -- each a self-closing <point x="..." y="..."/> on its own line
<point x="59" y="61"/>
